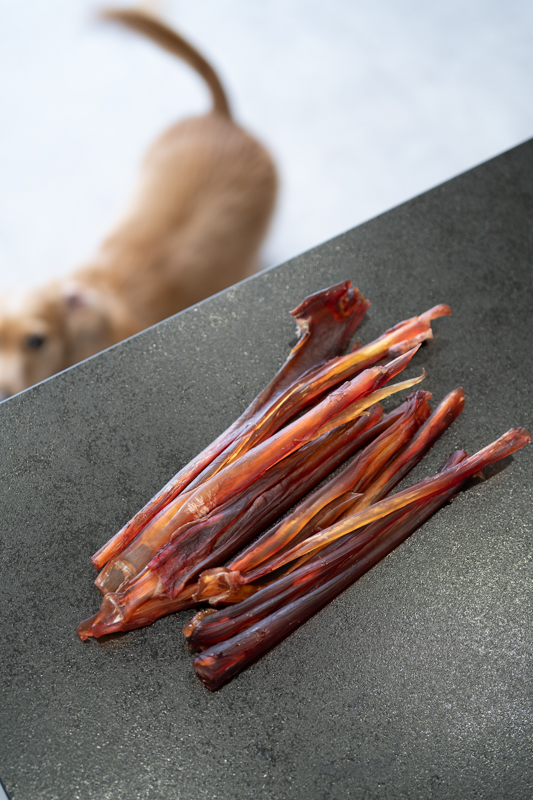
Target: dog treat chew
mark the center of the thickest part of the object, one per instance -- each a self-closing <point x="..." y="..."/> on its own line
<point x="206" y="537"/>
<point x="204" y="630"/>
<point x="260" y="628"/>
<point x="231" y="640"/>
<point x="353" y="398"/>
<point x="326" y="452"/>
<point x="326" y="321"/>
<point x="263" y="557"/>
<point x="179" y="540"/>
<point x="285" y="484"/>
<point x="223" y="583"/>
<point x="507" y="444"/>
<point x="350" y="481"/>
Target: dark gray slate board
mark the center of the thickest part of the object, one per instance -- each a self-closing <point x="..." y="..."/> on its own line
<point x="417" y="681"/>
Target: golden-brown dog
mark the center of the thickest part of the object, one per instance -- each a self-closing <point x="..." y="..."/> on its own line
<point x="194" y="227"/>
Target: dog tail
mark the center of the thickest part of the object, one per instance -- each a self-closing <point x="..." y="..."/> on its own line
<point x="151" y="27"/>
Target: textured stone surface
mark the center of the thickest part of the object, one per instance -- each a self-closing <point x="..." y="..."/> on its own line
<point x="417" y="682"/>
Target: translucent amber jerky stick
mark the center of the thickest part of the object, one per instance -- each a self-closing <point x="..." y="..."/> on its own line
<point x="239" y="479"/>
<point x="153" y="580"/>
<point x="303" y="471"/>
<point x="239" y="474"/>
<point x="446" y="412"/>
<point x="511" y="441"/>
<point x="326" y="322"/>
<point x="149" y="612"/>
<point x="316" y="460"/>
<point x="282" y="399"/>
<point x="264" y="507"/>
<point x="352" y="479"/>
<point x="316" y="381"/>
<point x="222" y="661"/>
<point x="204" y="631"/>
<point x="443" y="416"/>
<point x="247" y="512"/>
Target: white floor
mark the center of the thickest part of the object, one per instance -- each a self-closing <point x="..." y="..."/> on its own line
<point x="364" y="104"/>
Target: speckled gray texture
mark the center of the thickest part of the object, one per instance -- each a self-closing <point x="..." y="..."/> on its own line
<point x="417" y="682"/>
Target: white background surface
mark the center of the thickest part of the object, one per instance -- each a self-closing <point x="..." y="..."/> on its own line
<point x="363" y="105"/>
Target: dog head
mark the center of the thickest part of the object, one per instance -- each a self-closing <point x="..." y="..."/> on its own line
<point x="43" y="332"/>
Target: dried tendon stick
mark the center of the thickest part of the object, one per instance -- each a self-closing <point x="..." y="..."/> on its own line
<point x="326" y="322"/>
<point x="446" y="412"/>
<point x="161" y="576"/>
<point x="315" y="382"/>
<point x="318" y="458"/>
<point x="354" y="396"/>
<point x="247" y="512"/>
<point x="204" y="630"/>
<point x="321" y="509"/>
<point x="222" y="661"/>
<point x="507" y="444"/>
<point x="264" y="556"/>
<point x="269" y="419"/>
<point x="224" y="583"/>
<point x="294" y="387"/>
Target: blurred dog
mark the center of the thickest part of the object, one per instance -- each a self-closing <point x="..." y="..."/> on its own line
<point x="194" y="227"/>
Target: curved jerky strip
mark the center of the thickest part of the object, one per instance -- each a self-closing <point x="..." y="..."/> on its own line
<point x="328" y="452"/>
<point x="320" y="457"/>
<point x="282" y="400"/>
<point x="353" y="478"/>
<point x="302" y="471"/>
<point x="446" y="412"/>
<point x="326" y="321"/>
<point x="227" y="622"/>
<point x="118" y="608"/>
<point x="239" y="474"/>
<point x="397" y="340"/>
<point x="511" y="441"/>
<point x="224" y="660"/>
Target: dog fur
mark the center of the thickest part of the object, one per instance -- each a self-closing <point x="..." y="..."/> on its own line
<point x="194" y="227"/>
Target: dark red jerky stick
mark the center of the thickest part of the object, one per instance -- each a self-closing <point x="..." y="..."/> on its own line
<point x="326" y="320"/>
<point x="338" y="555"/>
<point x="366" y="465"/>
<point x="311" y="389"/>
<point x="227" y="622"/>
<point x="330" y="450"/>
<point x="507" y="444"/>
<point x="302" y="472"/>
<point x="379" y="453"/>
<point x="446" y="412"/>
<point x="236" y="476"/>
<point x="119" y="611"/>
<point x="397" y="340"/>
<point x="284" y="484"/>
<point x="223" y="661"/>
<point x="372" y="459"/>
